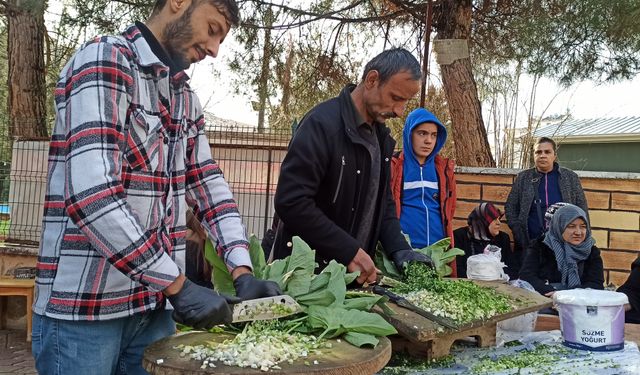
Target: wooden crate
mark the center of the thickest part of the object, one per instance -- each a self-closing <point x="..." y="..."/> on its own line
<point x="421" y="337"/>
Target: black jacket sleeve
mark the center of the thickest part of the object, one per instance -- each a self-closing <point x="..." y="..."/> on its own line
<point x="631" y="287"/>
<point x="593" y="273"/>
<point x="301" y="174"/>
<point x="461" y="239"/>
<point x="531" y="268"/>
<point x="512" y="210"/>
<point x="390" y="234"/>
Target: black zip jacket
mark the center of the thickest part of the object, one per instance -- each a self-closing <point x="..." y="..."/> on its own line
<point x="631" y="288"/>
<point x="540" y="269"/>
<point x="322" y="187"/>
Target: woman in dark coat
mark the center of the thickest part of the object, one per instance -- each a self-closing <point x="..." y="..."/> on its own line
<point x="484" y="229"/>
<point x="631" y="288"/>
<point x="565" y="257"/>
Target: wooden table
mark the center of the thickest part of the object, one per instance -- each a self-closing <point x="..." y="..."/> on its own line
<point x="551" y="322"/>
<point x="341" y="358"/>
<point x="421" y="337"/>
<point x="19" y="287"/>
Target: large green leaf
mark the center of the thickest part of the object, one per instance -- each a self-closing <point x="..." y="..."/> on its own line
<point x="319" y="282"/>
<point x="335" y="321"/>
<point x="441" y="255"/>
<point x="336" y="284"/>
<point x="322" y="297"/>
<point x="298" y="284"/>
<point x="364" y="303"/>
<point x="275" y="271"/>
<point x="222" y="281"/>
<point x="257" y="256"/>
<point x="302" y="257"/>
<point x="384" y="264"/>
<point x="361" y="339"/>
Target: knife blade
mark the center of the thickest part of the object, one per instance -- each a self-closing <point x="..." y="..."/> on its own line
<point x="403" y="302"/>
<point x="265" y="308"/>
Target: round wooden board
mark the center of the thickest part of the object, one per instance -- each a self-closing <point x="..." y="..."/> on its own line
<point x="341" y="358"/>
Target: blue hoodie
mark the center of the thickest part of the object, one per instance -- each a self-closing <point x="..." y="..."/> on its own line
<point x="420" y="216"/>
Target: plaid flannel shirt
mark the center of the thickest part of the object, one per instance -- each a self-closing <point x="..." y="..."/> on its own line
<point x="127" y="154"/>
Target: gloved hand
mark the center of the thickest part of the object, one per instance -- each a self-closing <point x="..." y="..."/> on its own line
<point x="248" y="287"/>
<point x="401" y="257"/>
<point x="201" y="307"/>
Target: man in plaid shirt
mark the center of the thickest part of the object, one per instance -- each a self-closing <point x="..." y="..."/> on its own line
<point x="128" y="154"/>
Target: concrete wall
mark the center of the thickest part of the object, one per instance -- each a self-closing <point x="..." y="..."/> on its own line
<point x="614" y="208"/>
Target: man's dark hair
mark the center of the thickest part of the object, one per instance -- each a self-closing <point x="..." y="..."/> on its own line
<point x="393" y="61"/>
<point x="547" y="140"/>
<point x="228" y="8"/>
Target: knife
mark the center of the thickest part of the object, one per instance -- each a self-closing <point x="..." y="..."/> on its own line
<point x="403" y="302"/>
<point x="265" y="308"/>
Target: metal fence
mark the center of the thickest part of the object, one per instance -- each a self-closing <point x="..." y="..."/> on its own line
<point x="251" y="164"/>
<point x="249" y="159"/>
<point x="23" y="163"/>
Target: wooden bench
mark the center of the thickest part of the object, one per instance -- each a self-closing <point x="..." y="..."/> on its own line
<point x="19" y="287"/>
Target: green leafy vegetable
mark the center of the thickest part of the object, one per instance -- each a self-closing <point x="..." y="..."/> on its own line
<point x="257" y="256"/>
<point x="332" y="311"/>
<point x="222" y="281"/>
<point x="441" y="255"/>
<point x="360" y="339"/>
<point x="461" y="300"/>
<point x="336" y="321"/>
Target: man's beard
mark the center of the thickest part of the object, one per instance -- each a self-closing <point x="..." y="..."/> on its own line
<point x="177" y="34"/>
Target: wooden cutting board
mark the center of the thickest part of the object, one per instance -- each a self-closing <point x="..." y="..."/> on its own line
<point x="341" y="358"/>
<point x="420" y="329"/>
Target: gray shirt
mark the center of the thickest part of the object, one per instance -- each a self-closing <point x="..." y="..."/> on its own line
<point x="369" y="137"/>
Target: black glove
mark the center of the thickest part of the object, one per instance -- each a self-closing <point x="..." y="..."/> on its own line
<point x="401" y="257"/>
<point x="201" y="307"/>
<point x="248" y="287"/>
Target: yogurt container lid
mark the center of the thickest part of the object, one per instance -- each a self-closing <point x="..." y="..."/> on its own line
<point x="590" y="297"/>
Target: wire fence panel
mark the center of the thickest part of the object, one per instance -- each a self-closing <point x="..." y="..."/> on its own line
<point x="251" y="165"/>
<point x="250" y="161"/>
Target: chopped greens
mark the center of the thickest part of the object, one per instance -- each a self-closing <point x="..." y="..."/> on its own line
<point x="439" y="252"/>
<point x="538" y="357"/>
<point x="460" y="300"/>
<point x="261" y="345"/>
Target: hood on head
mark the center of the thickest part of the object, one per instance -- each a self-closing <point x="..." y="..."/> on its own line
<point x="417" y="117"/>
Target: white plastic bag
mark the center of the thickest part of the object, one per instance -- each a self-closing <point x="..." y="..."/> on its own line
<point x="521" y="323"/>
<point x="485" y="267"/>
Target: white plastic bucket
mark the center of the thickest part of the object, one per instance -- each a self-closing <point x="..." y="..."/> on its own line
<point x="591" y="319"/>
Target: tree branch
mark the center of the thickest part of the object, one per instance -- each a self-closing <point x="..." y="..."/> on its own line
<point x="329" y="15"/>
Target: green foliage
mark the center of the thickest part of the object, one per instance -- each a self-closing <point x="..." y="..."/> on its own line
<point x="589" y="39"/>
<point x="257" y="256"/>
<point x="461" y="300"/>
<point x="330" y="308"/>
<point x="222" y="280"/>
<point x="384" y="264"/>
<point x="439" y="252"/>
<point x="442" y="255"/>
<point x="337" y="321"/>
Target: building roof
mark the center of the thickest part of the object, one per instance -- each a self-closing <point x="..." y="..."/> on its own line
<point x="615" y="129"/>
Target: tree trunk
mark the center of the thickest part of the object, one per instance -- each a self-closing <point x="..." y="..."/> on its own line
<point x="263" y="84"/>
<point x="26" y="70"/>
<point x="469" y="134"/>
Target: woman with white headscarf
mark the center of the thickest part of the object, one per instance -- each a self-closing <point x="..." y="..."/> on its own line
<point x="565" y="257"/>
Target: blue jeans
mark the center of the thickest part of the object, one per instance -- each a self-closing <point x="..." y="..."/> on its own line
<point x="65" y="347"/>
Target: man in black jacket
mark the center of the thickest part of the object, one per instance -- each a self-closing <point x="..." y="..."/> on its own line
<point x="333" y="189"/>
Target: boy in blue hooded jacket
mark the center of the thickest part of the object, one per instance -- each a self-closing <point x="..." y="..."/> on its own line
<point x="423" y="183"/>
